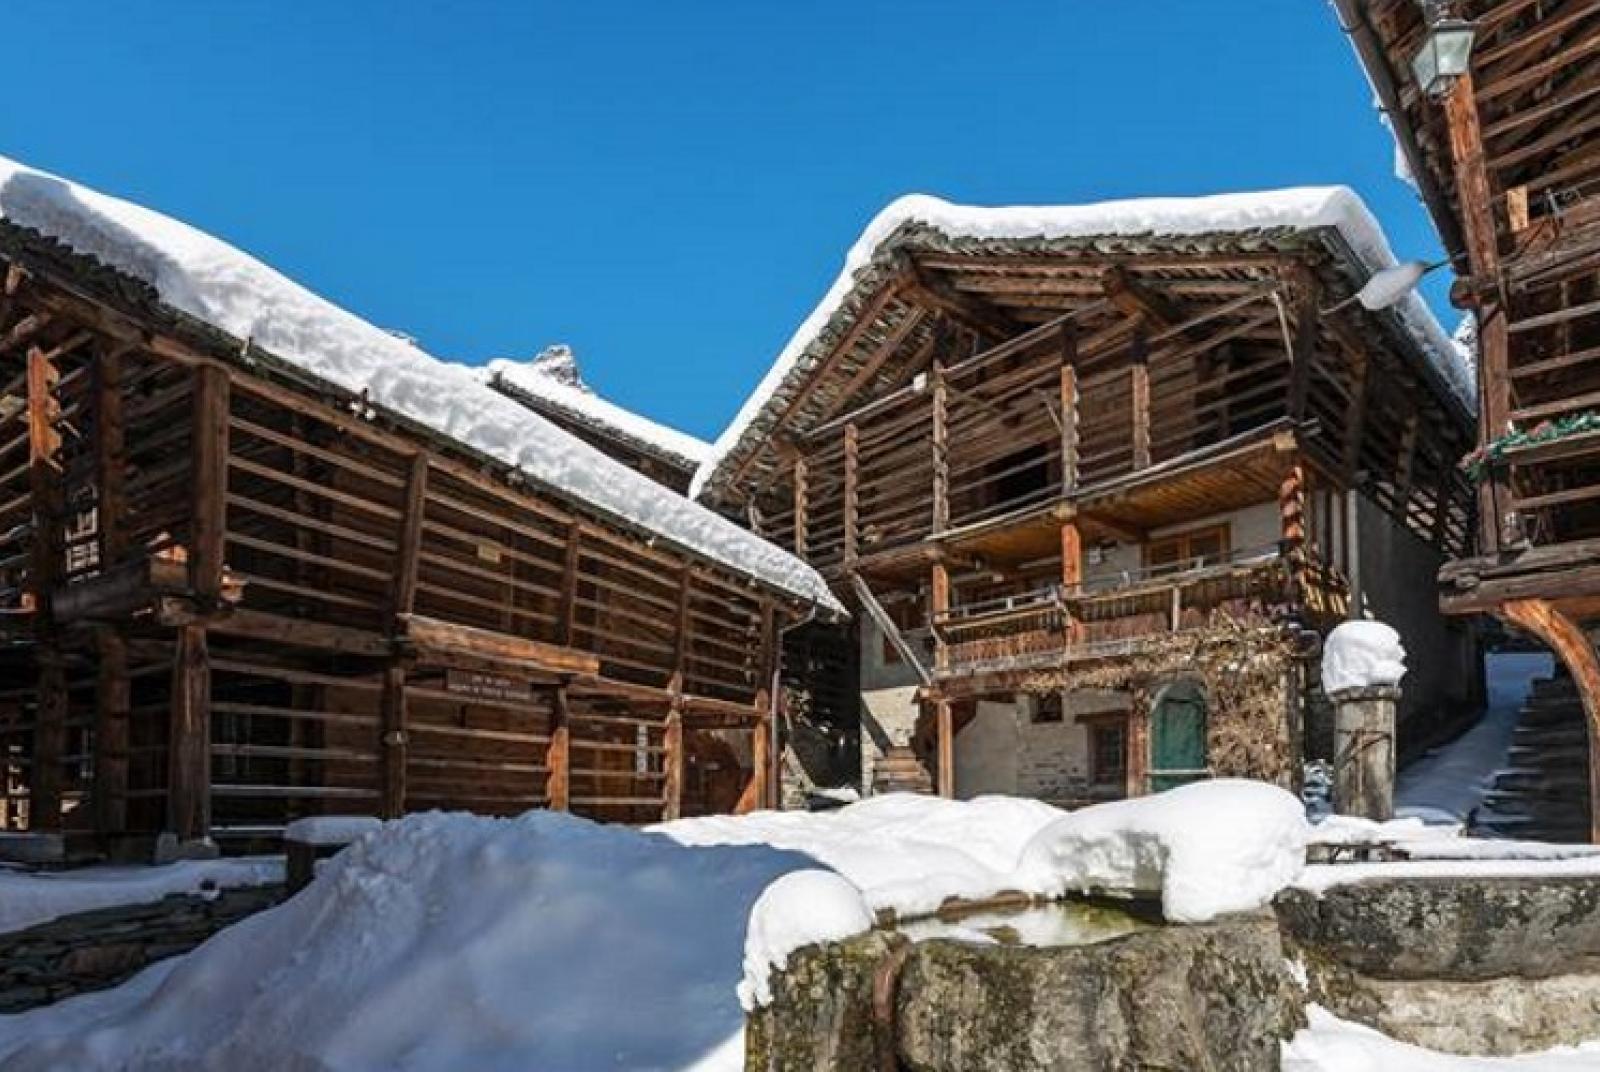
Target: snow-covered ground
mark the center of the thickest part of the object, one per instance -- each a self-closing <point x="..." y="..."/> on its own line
<point x="1329" y="1044"/>
<point x="28" y="898"/>
<point x="1445" y="785"/>
<point x="445" y="941"/>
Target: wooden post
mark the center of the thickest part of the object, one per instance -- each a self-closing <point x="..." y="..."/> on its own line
<point x="189" y="738"/>
<point x="800" y="497"/>
<point x="1068" y="401"/>
<point x="1071" y="573"/>
<point x="1139" y="373"/>
<point x="1139" y="712"/>
<point x="112" y="686"/>
<point x="1483" y="247"/>
<point x="672" y="755"/>
<point x="1355" y="416"/>
<point x="45" y="569"/>
<point x="938" y="607"/>
<point x="1308" y="293"/>
<point x="558" y="757"/>
<point x="566" y="613"/>
<point x="852" y="495"/>
<point x="939" y="439"/>
<point x="393" y="729"/>
<point x="1568" y="640"/>
<point x="755" y="791"/>
<point x="1405" y="476"/>
<point x="1291" y="517"/>
<point x="945" y="722"/>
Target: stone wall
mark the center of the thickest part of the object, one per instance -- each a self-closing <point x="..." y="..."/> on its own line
<point x="95" y="950"/>
<point x="1465" y="965"/>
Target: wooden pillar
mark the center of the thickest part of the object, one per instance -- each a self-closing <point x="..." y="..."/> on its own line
<point x="1476" y="198"/>
<point x="1071" y="573"/>
<point x="938" y="607"/>
<point x="112" y="686"/>
<point x="1138" y="777"/>
<point x="939" y="440"/>
<point x="672" y="755"/>
<point x="1405" y="477"/>
<point x="45" y="568"/>
<point x="1292" y="526"/>
<point x="1067" y="399"/>
<point x="1568" y="640"/>
<point x="189" y="738"/>
<point x="566" y="613"/>
<point x="944" y="718"/>
<point x="558" y="756"/>
<point x="393" y="729"/>
<point x="852" y="495"/>
<point x="1307" y="323"/>
<point x="1139" y="373"/>
<point x="1355" y="416"/>
<point x="801" y="493"/>
<point x="756" y="792"/>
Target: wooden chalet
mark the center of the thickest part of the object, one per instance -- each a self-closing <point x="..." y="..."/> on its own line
<point x="1094" y="477"/>
<point x="234" y="592"/>
<point x="552" y="386"/>
<point x="1507" y="159"/>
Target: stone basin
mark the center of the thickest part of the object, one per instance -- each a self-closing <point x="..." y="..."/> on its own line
<point x="1056" y="987"/>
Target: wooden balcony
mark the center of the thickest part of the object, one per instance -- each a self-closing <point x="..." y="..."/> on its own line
<point x="1120" y="612"/>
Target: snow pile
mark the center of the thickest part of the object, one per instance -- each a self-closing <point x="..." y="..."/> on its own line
<point x="1361" y="654"/>
<point x="800" y="909"/>
<point x="237" y="294"/>
<point x="552" y="378"/>
<point x="906" y="853"/>
<point x="28" y="898"/>
<point x="1207" y="849"/>
<point x="1299" y="209"/>
<point x="450" y="941"/>
<point x="1329" y="1044"/>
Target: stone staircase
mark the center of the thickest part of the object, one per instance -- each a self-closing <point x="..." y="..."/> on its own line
<point x="1543" y="794"/>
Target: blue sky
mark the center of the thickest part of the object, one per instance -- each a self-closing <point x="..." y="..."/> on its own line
<point x="668" y="187"/>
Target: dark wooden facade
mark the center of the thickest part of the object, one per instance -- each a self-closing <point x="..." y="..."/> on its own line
<point x="232" y="595"/>
<point x="981" y="413"/>
<point x="1508" y="161"/>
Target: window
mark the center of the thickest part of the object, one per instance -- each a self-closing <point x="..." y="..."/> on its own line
<point x="1186" y="550"/>
<point x="1108" y="754"/>
<point x="1047" y="708"/>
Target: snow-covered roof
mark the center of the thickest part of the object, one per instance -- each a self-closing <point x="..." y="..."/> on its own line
<point x="208" y="279"/>
<point x="1303" y="210"/>
<point x="553" y="381"/>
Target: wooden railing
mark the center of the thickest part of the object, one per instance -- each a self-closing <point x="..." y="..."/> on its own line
<point x="1047" y="625"/>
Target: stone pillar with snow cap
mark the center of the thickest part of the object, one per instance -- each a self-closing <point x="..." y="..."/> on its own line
<point x="1362" y="664"/>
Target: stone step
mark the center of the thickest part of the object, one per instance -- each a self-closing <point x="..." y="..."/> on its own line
<point x="1551" y="735"/>
<point x="1538" y="780"/>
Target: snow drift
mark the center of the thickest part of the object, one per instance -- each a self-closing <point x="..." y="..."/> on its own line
<point x="1207" y="849"/>
<point x="445" y="941"/>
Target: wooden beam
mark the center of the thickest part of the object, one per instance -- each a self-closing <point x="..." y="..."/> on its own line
<point x="1139" y="373"/>
<point x="393" y="714"/>
<point x="944" y="719"/>
<point x="852" y="496"/>
<point x="1292" y="526"/>
<point x="800" y="501"/>
<point x="939" y="607"/>
<point x="756" y="791"/>
<point x="558" y="755"/>
<point x="1307" y="330"/>
<point x="891" y="632"/>
<point x="672" y="757"/>
<point x="1571" y="644"/>
<point x="1476" y="198"/>
<point x="1067" y="400"/>
<point x="436" y="638"/>
<point x="46" y="562"/>
<point x="566" y="613"/>
<point x="189" y="734"/>
<point x="1134" y="299"/>
<point x="939" y="443"/>
<point x="112" y="700"/>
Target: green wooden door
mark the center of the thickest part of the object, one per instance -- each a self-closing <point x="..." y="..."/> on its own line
<point x="1177" y="736"/>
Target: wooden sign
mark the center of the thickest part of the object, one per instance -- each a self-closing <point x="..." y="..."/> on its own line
<point x="482" y="686"/>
